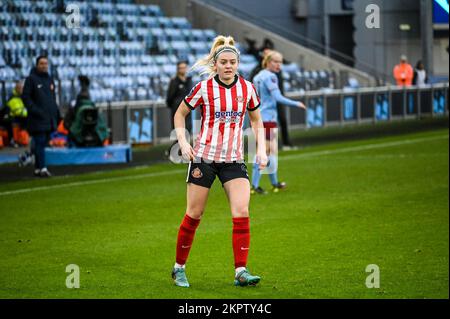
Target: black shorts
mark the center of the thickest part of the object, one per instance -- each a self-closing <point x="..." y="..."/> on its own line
<point x="204" y="174"/>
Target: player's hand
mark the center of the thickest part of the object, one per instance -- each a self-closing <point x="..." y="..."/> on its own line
<point x="301" y="105"/>
<point x="261" y="160"/>
<point x="187" y="151"/>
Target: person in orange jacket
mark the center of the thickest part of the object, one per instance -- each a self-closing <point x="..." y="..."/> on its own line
<point x="403" y="72"/>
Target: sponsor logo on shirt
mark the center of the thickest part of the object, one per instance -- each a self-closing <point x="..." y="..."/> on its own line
<point x="228" y="116"/>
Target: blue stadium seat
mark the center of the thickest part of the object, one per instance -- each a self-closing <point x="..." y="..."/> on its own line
<point x="245" y="69"/>
<point x="209" y="34"/>
<point x="199" y="47"/>
<point x="169" y="69"/>
<point x="158" y="34"/>
<point x="149" y="22"/>
<point x="161" y="59"/>
<point x="141" y="94"/>
<point x="247" y="58"/>
<point x="174" y="34"/>
<point x="181" y="23"/>
<point x="197" y="35"/>
<point x="290" y="68"/>
<point x="165" y="22"/>
<point x="187" y="33"/>
<point x="147" y="59"/>
<point x="134" y="46"/>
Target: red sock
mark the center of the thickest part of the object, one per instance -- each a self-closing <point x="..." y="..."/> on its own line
<point x="241" y="241"/>
<point x="185" y="238"/>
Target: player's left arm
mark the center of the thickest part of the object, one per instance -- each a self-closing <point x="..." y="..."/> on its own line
<point x="258" y="129"/>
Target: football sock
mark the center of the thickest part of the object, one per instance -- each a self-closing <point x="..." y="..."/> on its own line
<point x="256" y="175"/>
<point x="239" y="269"/>
<point x="185" y="238"/>
<point x="241" y="241"/>
<point x="273" y="169"/>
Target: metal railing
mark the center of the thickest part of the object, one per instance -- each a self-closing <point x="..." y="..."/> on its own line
<point x="150" y="121"/>
<point x="387" y="103"/>
<point x="298" y="38"/>
<point x="325" y="108"/>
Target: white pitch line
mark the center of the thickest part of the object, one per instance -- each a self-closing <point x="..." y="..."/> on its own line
<point x="288" y="157"/>
<point x="95" y="181"/>
<point x="362" y="147"/>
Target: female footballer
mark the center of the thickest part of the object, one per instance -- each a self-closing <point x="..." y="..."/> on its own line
<point x="224" y="99"/>
<point x="266" y="83"/>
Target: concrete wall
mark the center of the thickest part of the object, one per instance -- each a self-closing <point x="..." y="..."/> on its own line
<point x="381" y="48"/>
<point x="206" y="16"/>
<point x="376" y="51"/>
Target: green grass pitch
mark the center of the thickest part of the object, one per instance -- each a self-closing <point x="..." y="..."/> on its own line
<point x="381" y="201"/>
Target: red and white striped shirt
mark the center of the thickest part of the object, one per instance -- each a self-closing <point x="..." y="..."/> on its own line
<point x="223" y="111"/>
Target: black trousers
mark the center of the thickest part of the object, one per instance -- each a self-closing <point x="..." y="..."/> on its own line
<point x="40" y="141"/>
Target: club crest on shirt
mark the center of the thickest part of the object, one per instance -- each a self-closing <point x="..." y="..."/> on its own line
<point x="196" y="173"/>
<point x="240" y="99"/>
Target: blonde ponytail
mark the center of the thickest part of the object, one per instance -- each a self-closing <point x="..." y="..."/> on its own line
<point x="220" y="44"/>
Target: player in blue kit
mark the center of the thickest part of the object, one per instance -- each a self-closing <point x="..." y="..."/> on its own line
<point x="266" y="83"/>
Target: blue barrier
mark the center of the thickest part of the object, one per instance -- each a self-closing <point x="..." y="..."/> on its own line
<point x="314" y="113"/>
<point x="438" y="102"/>
<point x="140" y="127"/>
<point x="89" y="155"/>
<point x="382" y="107"/>
<point x="8" y="158"/>
<point x="349" y="107"/>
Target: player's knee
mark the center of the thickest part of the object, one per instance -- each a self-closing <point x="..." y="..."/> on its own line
<point x="240" y="212"/>
<point x="195" y="213"/>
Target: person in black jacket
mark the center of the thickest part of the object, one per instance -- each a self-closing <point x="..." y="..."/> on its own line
<point x="43" y="113"/>
<point x="179" y="87"/>
<point x="420" y="74"/>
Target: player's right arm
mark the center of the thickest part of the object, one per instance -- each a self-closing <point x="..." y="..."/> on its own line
<point x="258" y="129"/>
<point x="180" y="128"/>
<point x="193" y="100"/>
